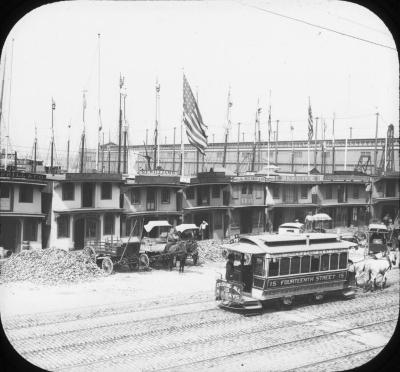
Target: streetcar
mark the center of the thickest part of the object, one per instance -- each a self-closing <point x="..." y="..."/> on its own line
<point x="283" y="267"/>
<point x="378" y="236"/>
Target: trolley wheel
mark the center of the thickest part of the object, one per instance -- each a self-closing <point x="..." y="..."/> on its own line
<point x="144" y="260"/>
<point x="90" y="252"/>
<point x="107" y="265"/>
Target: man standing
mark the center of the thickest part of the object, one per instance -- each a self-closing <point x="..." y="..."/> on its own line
<point x="182" y="259"/>
<point x="230" y="267"/>
<point x="203" y="227"/>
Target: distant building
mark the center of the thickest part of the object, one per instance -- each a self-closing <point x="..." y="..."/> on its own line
<point x="85" y="207"/>
<point x="21" y="213"/>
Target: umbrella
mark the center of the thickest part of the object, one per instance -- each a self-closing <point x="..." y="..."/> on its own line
<point x="321" y="217"/>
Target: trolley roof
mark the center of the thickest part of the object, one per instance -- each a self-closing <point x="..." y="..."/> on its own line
<point x="296" y="225"/>
<point x="377" y="226"/>
<point x="274" y="244"/>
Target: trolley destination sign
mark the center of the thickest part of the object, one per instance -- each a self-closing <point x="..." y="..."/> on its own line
<point x="309" y="279"/>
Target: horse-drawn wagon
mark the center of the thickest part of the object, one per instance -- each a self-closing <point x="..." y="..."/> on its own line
<point x="164" y="247"/>
<point x="113" y="253"/>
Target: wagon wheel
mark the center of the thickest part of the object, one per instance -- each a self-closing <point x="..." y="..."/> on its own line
<point x="107" y="265"/>
<point x="90" y="252"/>
<point x="144" y="260"/>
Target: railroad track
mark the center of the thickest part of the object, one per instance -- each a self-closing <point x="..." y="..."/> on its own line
<point x="61" y="350"/>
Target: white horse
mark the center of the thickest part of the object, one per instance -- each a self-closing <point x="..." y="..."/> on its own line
<point x="372" y="268"/>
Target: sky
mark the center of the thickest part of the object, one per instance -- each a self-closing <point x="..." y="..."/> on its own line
<point x="264" y="58"/>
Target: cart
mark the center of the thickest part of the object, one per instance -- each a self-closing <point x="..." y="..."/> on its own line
<point x="162" y="252"/>
<point x="187" y="234"/>
<point x="113" y="253"/>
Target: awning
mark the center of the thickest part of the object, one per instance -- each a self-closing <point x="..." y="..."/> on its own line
<point x="19" y="215"/>
<point x="89" y="211"/>
<point x="186" y="226"/>
<point x="150" y="225"/>
<point x="244" y="248"/>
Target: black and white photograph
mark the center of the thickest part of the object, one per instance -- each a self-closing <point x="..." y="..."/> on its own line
<point x="199" y="186"/>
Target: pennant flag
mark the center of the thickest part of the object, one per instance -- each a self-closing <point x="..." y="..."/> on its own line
<point x="310" y="123"/>
<point x="195" y="128"/>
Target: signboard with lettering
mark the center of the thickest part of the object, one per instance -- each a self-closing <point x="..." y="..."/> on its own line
<point x="23" y="175"/>
<point x="228" y="291"/>
<point x="248" y="179"/>
<point x="164" y="172"/>
<point x="306" y="279"/>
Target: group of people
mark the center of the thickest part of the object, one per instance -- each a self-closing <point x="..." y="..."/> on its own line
<point x="172" y="239"/>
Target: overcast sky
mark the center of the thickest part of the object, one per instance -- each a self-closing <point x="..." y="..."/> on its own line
<point x="219" y="44"/>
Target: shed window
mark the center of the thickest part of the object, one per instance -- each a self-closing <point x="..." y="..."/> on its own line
<point x="328" y="192"/>
<point x="4" y="190"/>
<point x="25" y="194"/>
<point x="109" y="224"/>
<point x="356" y="191"/>
<point x="285" y="263"/>
<point x="325" y="262"/>
<point x="68" y="191"/>
<point x="63" y="227"/>
<point x="30" y="230"/>
<point x="135" y="196"/>
<point x="190" y="193"/>
<point x="295" y="265"/>
<point x="334" y="261"/>
<point x="304" y="191"/>
<point x="343" y="260"/>
<point x="275" y="191"/>
<point x="315" y="263"/>
<point x="305" y="264"/>
<point x="215" y="191"/>
<point x="273" y="267"/>
<point x="165" y="196"/>
<point x="106" y="191"/>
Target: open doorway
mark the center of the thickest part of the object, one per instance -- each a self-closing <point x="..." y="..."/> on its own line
<point x="10" y="234"/>
<point x="245" y="221"/>
<point x="79" y="236"/>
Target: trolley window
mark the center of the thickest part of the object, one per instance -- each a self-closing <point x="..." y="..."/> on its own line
<point x="325" y="262"/>
<point x="334" y="261"/>
<point x="285" y="263"/>
<point x="295" y="265"/>
<point x="315" y="263"/>
<point x="273" y="267"/>
<point x="343" y="260"/>
<point x="259" y="266"/>
<point x="305" y="264"/>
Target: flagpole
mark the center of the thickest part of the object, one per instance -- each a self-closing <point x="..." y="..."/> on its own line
<point x="98" y="103"/>
<point x="269" y="134"/>
<point x="315" y="142"/>
<point x="345" y="155"/>
<point x="333" y="143"/>
<point x="182" y="146"/>
<point x="238" y="158"/>
<point x="309" y="135"/>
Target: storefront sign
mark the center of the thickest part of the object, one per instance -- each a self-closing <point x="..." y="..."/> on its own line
<point x="29" y="176"/>
<point x="248" y="179"/>
<point x="229" y="291"/>
<point x="161" y="172"/>
<point x="309" y="279"/>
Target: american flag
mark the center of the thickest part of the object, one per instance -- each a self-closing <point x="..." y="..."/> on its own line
<point x="310" y="123"/>
<point x="195" y="128"/>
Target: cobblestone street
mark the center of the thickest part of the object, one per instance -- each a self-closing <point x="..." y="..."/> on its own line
<point x="183" y="329"/>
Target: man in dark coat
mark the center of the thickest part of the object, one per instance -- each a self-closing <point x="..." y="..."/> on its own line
<point x="230" y="267"/>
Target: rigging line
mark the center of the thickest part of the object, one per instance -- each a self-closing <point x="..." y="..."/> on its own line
<point x="316" y="26"/>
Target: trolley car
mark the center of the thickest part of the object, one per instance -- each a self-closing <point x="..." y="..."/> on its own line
<point x="282" y="267"/>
